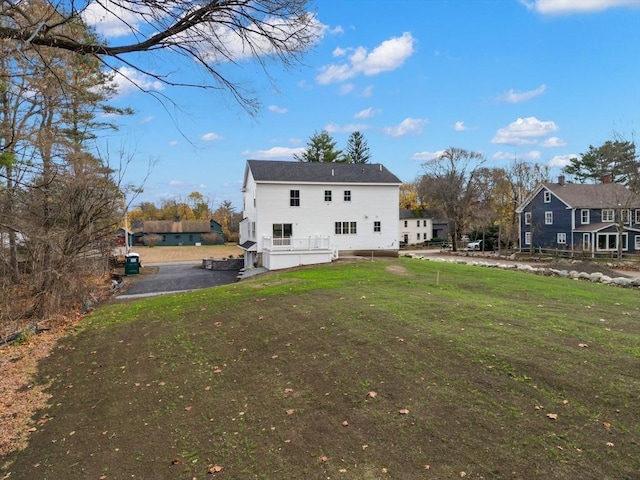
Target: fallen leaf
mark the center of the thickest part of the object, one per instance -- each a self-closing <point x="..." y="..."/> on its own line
<point x="609" y="444"/>
<point x="345" y="424"/>
<point x="463" y="474"/>
<point x="583" y="345"/>
<point x="188" y="408"/>
<point x="323" y="458"/>
<point x="207" y="388"/>
<point x="404" y="411"/>
<point x="260" y="317"/>
<point x="343" y="470"/>
<point x="606" y="425"/>
<point x="175" y="461"/>
<point x="372" y="394"/>
<point x="217" y="370"/>
<point x="290" y="411"/>
<point x="288" y="390"/>
<point x="274" y="357"/>
<point x="214" y="468"/>
<point x="552" y="416"/>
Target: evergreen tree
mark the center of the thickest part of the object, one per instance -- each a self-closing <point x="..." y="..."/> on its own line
<point x="614" y="160"/>
<point x="357" y="149"/>
<point x="320" y="148"/>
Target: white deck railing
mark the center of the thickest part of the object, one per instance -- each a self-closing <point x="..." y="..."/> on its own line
<point x="297" y="243"/>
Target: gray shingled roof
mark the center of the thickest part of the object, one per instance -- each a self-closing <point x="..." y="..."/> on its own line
<point x="320" y="172"/>
<point x="598" y="195"/>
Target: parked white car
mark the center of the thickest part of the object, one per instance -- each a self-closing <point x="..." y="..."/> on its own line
<point x="475" y="245"/>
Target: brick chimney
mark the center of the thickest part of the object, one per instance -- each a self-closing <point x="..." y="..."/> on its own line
<point x="561" y="179"/>
<point x="606" y="178"/>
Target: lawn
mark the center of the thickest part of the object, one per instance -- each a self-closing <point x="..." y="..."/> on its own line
<point x="391" y="369"/>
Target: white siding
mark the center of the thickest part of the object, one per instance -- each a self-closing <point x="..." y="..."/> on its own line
<point x="316" y="217"/>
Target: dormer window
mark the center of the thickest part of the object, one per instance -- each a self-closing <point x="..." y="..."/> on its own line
<point x="547" y="196"/>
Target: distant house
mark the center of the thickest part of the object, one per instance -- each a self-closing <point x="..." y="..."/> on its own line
<point x="415" y="227"/>
<point x="177" y="232"/>
<point x="299" y="213"/>
<point x="591" y="218"/>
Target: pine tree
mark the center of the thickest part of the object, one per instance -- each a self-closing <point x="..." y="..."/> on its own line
<point x="357" y="149"/>
<point x="320" y="148"/>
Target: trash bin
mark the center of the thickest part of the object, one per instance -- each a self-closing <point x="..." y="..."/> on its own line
<point x="132" y="264"/>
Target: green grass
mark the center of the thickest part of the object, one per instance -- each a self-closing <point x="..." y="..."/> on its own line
<point x="258" y="377"/>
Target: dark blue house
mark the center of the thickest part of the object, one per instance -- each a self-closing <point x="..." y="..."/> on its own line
<point x="588" y="218"/>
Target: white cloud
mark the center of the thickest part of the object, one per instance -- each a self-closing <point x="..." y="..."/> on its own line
<point x="276" y="109"/>
<point x="177" y="183"/>
<point x="335" y="30"/>
<point x="531" y="155"/>
<point x="173" y="143"/>
<point x="524" y="131"/>
<point x="562" y="161"/>
<point x="127" y="80"/>
<point x="230" y="45"/>
<point x="567" y="7"/>
<point x="387" y="56"/>
<point x="553" y="142"/>
<point x="407" y="126"/>
<point x="460" y="127"/>
<point x="426" y="156"/>
<point x="339" y="52"/>
<point x="367" y="113"/>
<point x="348" y="128"/>
<point x="346" y="88"/>
<point x="513" y="96"/>
<point x="116" y="22"/>
<point x="278" y="153"/>
<point x="368" y="91"/>
<point x="208" y="137"/>
<point x="147" y="119"/>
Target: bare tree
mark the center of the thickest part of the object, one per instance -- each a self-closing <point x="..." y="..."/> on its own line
<point x="450" y="182"/>
<point x="204" y="33"/>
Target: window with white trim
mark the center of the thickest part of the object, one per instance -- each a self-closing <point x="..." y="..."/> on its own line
<point x="548" y="218"/>
<point x="377" y="227"/>
<point x="345" y="228"/>
<point x="327" y="195"/>
<point x="418" y="236"/>
<point x="527" y="238"/>
<point x="586" y="241"/>
<point x="527" y="218"/>
<point x="609" y="241"/>
<point x="547" y="196"/>
<point x="608" y="215"/>
<point x="585" y="216"/>
<point x="294" y="198"/>
<point x="638" y="215"/>
<point x="418" y="223"/>
<point x="561" y="238"/>
<point x="347" y="195"/>
<point x="626" y="215"/>
<point x="637" y="242"/>
<point x="405" y="223"/>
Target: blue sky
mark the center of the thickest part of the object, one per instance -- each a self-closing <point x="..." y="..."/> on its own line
<point x="537" y="80"/>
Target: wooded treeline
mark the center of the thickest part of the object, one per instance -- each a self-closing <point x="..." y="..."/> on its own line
<point x="58" y="201"/>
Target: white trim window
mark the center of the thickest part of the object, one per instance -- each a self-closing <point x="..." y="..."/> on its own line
<point x="527" y="238"/>
<point x="561" y="238"/>
<point x="608" y="215"/>
<point x="626" y="215"/>
<point x="527" y="218"/>
<point x="377" y="227"/>
<point x="294" y="198"/>
<point x="347" y="195"/>
<point x="327" y="195"/>
<point x="585" y="216"/>
<point x="637" y="242"/>
<point x="547" y="196"/>
<point x="586" y="241"/>
<point x="345" y="228"/>
<point x="638" y="215"/>
<point x="548" y="218"/>
<point x="607" y="242"/>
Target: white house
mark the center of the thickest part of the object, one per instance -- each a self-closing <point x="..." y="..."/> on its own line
<point x="299" y="213"/>
<point x="415" y="227"/>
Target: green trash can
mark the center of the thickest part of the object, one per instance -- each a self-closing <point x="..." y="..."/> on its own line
<point x="132" y="264"/>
